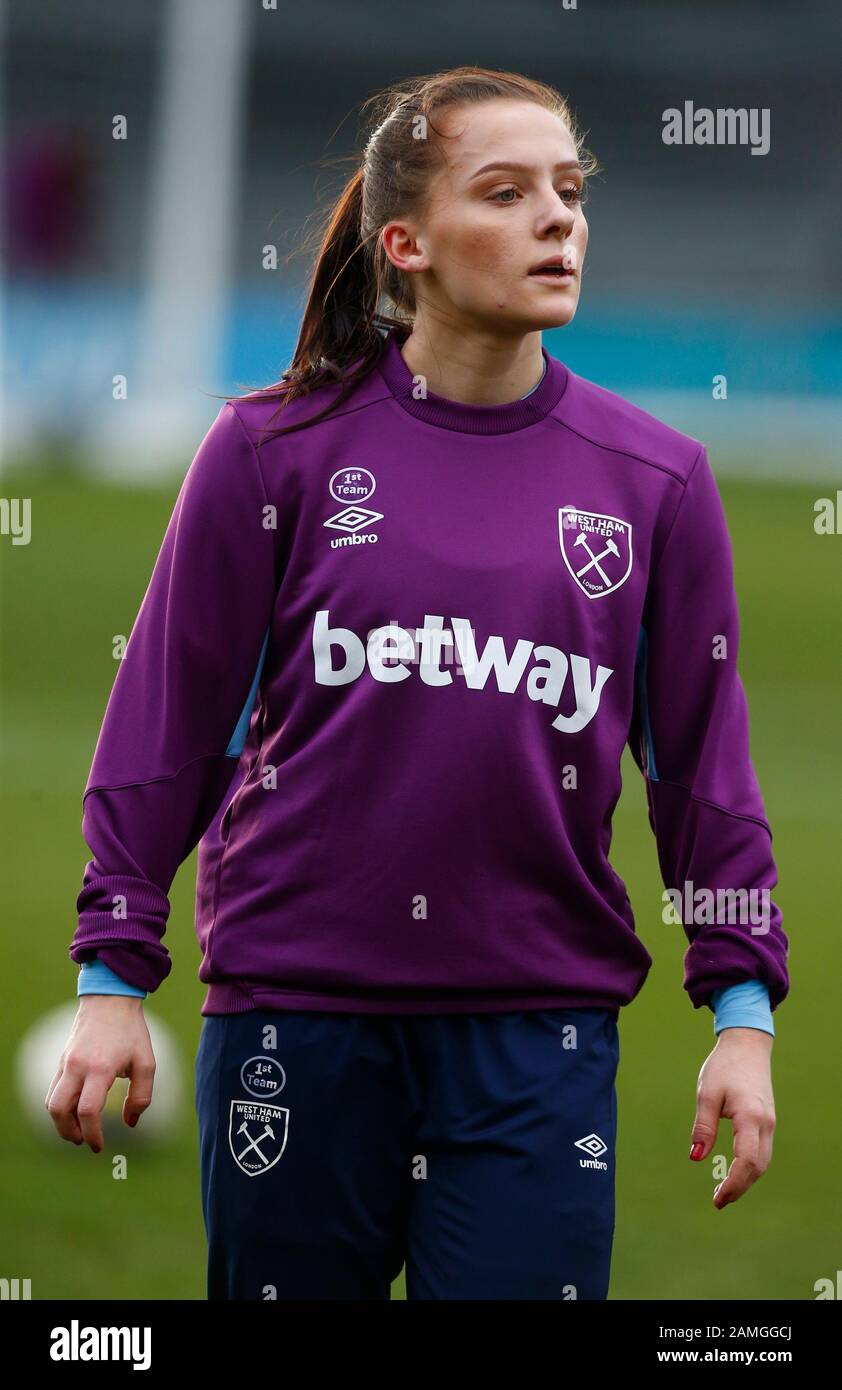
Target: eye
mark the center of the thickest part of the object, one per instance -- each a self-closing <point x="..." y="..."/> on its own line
<point x="573" y="195"/>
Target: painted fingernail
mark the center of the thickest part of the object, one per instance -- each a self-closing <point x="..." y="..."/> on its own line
<point x="697" y="1150"/>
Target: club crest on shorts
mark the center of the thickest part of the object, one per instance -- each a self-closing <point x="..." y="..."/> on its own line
<point x="597" y="549"/>
<point x="257" y="1135"/>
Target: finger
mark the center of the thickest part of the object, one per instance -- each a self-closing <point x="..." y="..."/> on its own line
<point x="139" y="1095"/>
<point x="706" y="1123"/>
<point x="767" y="1138"/>
<point x="62" y="1104"/>
<point x="738" y="1180"/>
<point x="745" y="1169"/>
<point x="98" y="1083"/>
<point x="57" y="1075"/>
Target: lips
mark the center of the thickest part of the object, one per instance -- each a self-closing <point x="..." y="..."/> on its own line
<point x="555" y="267"/>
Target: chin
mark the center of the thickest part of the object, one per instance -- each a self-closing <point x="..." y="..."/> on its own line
<point x="531" y="320"/>
<point x="557" y="317"/>
<point x="565" y="315"/>
<point x="556" y="312"/>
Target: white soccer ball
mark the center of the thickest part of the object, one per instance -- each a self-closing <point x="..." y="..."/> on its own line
<point x="36" y="1062"/>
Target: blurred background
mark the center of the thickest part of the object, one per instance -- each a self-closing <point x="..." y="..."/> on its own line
<point x="162" y="161"/>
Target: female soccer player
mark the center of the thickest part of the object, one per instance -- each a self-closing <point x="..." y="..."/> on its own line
<point x="412" y="603"/>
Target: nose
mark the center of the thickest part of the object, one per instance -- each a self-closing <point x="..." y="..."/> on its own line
<point x="555" y="215"/>
<point x="556" y="218"/>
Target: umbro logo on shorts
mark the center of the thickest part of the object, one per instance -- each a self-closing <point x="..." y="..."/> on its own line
<point x="593" y="1145"/>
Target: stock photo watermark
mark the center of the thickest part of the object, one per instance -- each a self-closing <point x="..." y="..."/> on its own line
<point x="724" y="125"/>
<point x="741" y="907"/>
<point x="16" y="519"/>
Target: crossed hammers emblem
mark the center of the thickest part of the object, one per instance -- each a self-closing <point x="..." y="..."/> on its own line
<point x="260" y="1130"/>
<point x="593" y="562"/>
<point x="253" y="1143"/>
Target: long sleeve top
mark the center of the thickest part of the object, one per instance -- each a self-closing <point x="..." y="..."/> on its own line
<point x="424" y="632"/>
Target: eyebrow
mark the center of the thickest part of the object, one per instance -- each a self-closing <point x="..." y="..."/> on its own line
<point x="523" y="168"/>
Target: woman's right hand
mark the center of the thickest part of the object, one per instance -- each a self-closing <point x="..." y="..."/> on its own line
<point x="109" y="1038"/>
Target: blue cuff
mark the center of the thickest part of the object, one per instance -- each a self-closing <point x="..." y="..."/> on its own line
<point x="95" y="977"/>
<point x="745" y="1005"/>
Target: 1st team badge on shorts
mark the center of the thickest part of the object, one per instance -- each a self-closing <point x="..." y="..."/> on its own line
<point x="257" y="1135"/>
<point x="597" y="549"/>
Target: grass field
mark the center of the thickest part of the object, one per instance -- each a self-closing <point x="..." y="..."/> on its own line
<point x="75" y="1232"/>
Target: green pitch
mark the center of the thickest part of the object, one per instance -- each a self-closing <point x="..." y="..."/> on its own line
<point x="75" y="1232"/>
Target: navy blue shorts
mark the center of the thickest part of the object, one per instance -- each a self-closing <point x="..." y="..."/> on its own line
<point x="478" y="1149"/>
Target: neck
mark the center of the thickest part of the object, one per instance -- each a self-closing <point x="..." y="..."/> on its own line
<point x="480" y="369"/>
<point x="467" y="417"/>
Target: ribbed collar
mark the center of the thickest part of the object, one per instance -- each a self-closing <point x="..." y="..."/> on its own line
<point x="470" y="419"/>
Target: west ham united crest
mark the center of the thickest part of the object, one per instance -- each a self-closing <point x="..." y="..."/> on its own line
<point x="257" y="1135"/>
<point x="597" y="549"/>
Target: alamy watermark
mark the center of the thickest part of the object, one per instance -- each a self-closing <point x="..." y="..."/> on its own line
<point x="16" y="519"/>
<point x="699" y="125"/>
<point x="721" y="907"/>
<point x="80" y="1342"/>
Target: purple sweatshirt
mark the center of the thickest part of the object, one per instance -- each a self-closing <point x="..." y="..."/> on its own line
<point x="384" y="673"/>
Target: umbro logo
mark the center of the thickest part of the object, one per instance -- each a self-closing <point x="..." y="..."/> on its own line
<point x="593" y="1145"/>
<point x="354" y="519"/>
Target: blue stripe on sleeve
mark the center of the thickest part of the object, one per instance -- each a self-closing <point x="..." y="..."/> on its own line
<point x="238" y="738"/>
<point x="95" y="977"/>
<point x="641" y="672"/>
<point x="745" y="1005"/>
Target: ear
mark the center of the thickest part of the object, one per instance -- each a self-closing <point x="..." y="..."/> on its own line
<point x="404" y="250"/>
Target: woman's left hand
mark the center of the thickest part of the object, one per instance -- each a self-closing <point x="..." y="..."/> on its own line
<point x="736" y="1082"/>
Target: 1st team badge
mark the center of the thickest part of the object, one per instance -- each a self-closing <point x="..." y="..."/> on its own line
<point x="597" y="549"/>
<point x="257" y="1135"/>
